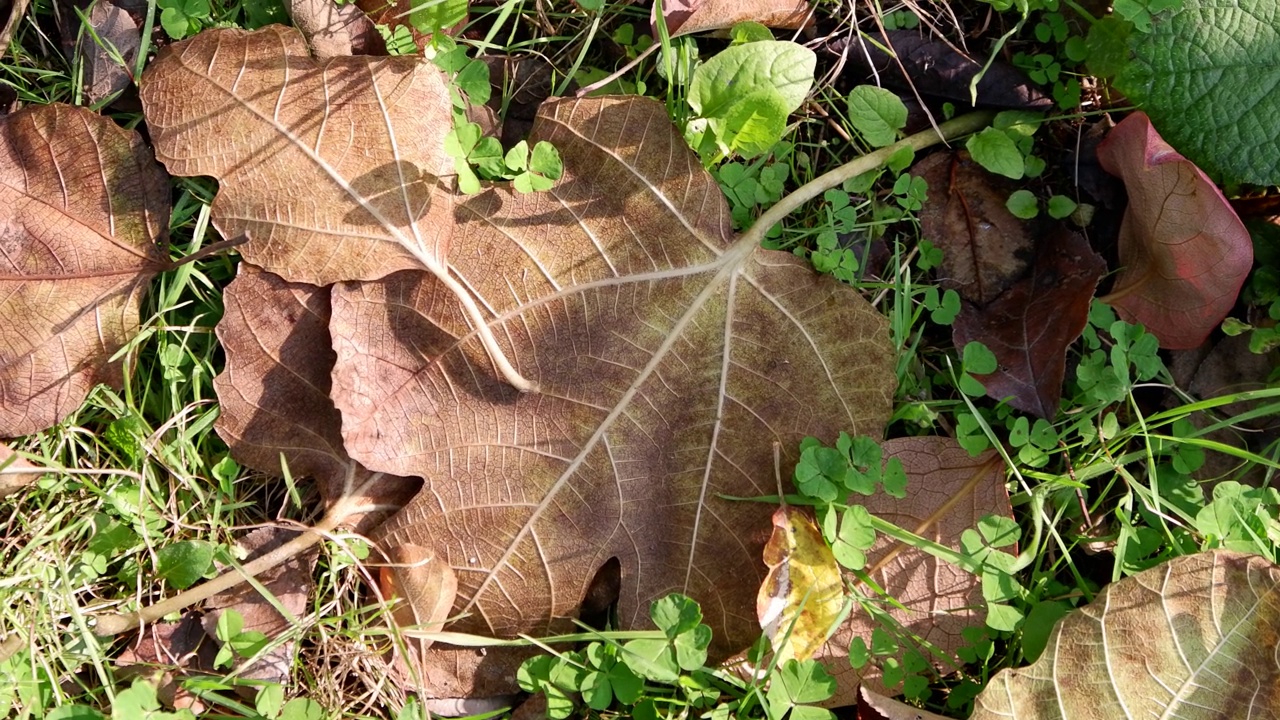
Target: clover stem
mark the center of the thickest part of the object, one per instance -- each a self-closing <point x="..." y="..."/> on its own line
<point x="949" y="130"/>
<point x="107" y="625"/>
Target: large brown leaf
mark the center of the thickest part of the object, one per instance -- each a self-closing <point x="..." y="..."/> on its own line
<point x="1030" y="326"/>
<point x="948" y="491"/>
<point x="684" y="17"/>
<point x="332" y="166"/>
<point x="274" y="394"/>
<point x="1192" y="638"/>
<point x="670" y="356"/>
<point x="82" y="206"/>
<point x="1184" y="250"/>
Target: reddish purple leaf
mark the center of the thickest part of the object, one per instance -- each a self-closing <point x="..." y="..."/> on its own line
<point x="1184" y="250"/>
<point x="1030" y="325"/>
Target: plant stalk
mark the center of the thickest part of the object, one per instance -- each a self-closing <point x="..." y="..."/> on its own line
<point x="947" y="131"/>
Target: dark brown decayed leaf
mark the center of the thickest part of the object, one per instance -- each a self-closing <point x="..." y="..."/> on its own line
<point x="669" y="358"/>
<point x="331" y="166"/>
<point x="82" y="205"/>
<point x="335" y="30"/>
<point x="274" y="392"/>
<point x="985" y="249"/>
<point x="1184" y="250"/>
<point x="684" y="17"/>
<point x="1192" y="638"/>
<point x="115" y="28"/>
<point x="948" y="491"/>
<point x="1031" y="325"/>
<point x="937" y="69"/>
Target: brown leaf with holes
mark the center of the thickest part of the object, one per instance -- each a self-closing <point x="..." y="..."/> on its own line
<point x="12" y="479"/>
<point x="335" y="30"/>
<point x="670" y="357"/>
<point x="332" y="166"/>
<point x="684" y="17"/>
<point x="117" y="34"/>
<point x="82" y="207"/>
<point x="1185" y="253"/>
<point x="1031" y="325"/>
<point x="985" y="249"/>
<point x="274" y="395"/>
<point x="948" y="491"/>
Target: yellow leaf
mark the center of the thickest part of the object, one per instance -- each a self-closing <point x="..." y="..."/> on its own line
<point x="801" y="599"/>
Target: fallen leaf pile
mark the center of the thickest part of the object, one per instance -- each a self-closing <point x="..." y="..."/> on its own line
<point x="522" y="397"/>
<point x="668" y="355"/>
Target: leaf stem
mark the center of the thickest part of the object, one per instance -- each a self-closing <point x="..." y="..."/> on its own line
<point x="949" y="130"/>
<point x="107" y="625"/>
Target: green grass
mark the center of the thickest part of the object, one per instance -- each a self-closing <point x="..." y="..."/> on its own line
<point x="140" y="469"/>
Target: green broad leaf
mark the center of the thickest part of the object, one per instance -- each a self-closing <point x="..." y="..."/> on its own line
<point x="545" y="161"/>
<point x="876" y="114"/>
<point x="1206" y="76"/>
<point x="652" y="659"/>
<point x="675" y="614"/>
<point x="1041" y="620"/>
<point x="517" y="157"/>
<point x="302" y="709"/>
<point x="806" y="682"/>
<point x="748" y="31"/>
<point x="431" y="16"/>
<point x="753" y="124"/>
<point x="1107" y="46"/>
<point x="473" y="79"/>
<point x="739" y="71"/>
<point x="597" y="691"/>
<point x="979" y="359"/>
<point x="185" y="562"/>
<point x="74" y="712"/>
<point x="487" y="158"/>
<point x="1023" y="204"/>
<point x="1004" y="618"/>
<point x="462" y="139"/>
<point x="468" y="182"/>
<point x="627" y="686"/>
<point x="994" y="150"/>
<point x="270" y="700"/>
<point x="691" y="647"/>
<point x="1061" y="206"/>
<point x="999" y="530"/>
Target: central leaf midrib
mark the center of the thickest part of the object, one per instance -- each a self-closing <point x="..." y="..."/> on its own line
<point x="731" y="261"/>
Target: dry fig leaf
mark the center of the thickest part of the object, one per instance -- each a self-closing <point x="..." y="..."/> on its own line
<point x="802" y="595"/>
<point x="1185" y="252"/>
<point x="333" y="167"/>
<point x="684" y="17"/>
<point x="82" y="208"/>
<point x="948" y="491"/>
<point x="670" y="356"/>
<point x="1194" y="637"/>
<point x="274" y="394"/>
<point x="115" y="29"/>
<point x="985" y="249"/>
<point x="422" y="575"/>
<point x="335" y="30"/>
<point x="1030" y="326"/>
